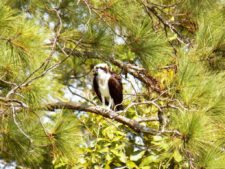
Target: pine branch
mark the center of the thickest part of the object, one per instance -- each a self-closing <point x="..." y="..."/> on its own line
<point x="139" y="73"/>
<point x="6" y="100"/>
<point x="151" y="8"/>
<point x="29" y="79"/>
<point x="133" y="124"/>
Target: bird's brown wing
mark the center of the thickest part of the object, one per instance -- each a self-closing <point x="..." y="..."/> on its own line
<point x="96" y="88"/>
<point x="116" y="90"/>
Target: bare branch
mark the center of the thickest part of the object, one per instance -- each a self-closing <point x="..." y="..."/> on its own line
<point x="8" y="83"/>
<point x="18" y="125"/>
<point x="139" y="73"/>
<point x="133" y="124"/>
<point x="6" y="100"/>
<point x="141" y="103"/>
<point x="103" y="112"/>
<point x="89" y="10"/>
<point x="84" y="98"/>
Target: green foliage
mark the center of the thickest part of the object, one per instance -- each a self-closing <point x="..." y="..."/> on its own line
<point x="65" y="132"/>
<point x="195" y="128"/>
<point x="211" y="158"/>
<point x="199" y="6"/>
<point x="106" y="146"/>
<point x="197" y="85"/>
<point x="211" y="33"/>
<point x="150" y="47"/>
<point x="190" y="74"/>
<point x="21" y="40"/>
<point x="7" y="16"/>
<point x="16" y="146"/>
<point x="65" y="139"/>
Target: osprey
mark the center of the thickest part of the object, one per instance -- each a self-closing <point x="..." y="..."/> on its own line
<point x="108" y="86"/>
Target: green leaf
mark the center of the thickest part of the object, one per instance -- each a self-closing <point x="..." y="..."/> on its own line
<point x="120" y="154"/>
<point x="148" y="160"/>
<point x="109" y="132"/>
<point x="131" y="165"/>
<point x="157" y="138"/>
<point x="177" y="156"/>
<point x="137" y="155"/>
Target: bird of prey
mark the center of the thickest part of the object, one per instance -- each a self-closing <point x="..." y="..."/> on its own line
<point x="108" y="87"/>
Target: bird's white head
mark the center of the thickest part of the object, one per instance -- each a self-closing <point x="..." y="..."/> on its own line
<point x="101" y="68"/>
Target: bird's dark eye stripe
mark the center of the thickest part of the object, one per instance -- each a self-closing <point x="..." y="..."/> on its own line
<point x="103" y="68"/>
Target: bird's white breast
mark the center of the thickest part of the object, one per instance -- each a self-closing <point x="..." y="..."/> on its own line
<point x="103" y="79"/>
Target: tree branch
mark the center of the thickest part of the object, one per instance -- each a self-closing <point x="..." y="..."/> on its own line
<point x="6" y="100"/>
<point x="133" y="124"/>
<point x="150" y="8"/>
<point x="103" y="112"/>
<point x="18" y="125"/>
<point x="139" y="73"/>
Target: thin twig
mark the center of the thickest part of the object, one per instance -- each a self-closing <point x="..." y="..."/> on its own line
<point x="46" y="133"/>
<point x="7" y="82"/>
<point x="89" y="10"/>
<point x="84" y="98"/>
<point x="147" y="119"/>
<point x="140" y="103"/>
<point x="18" y="125"/>
<point x="6" y="100"/>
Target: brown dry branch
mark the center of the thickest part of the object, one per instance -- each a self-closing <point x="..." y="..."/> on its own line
<point x="139" y="73"/>
<point x="133" y="124"/>
<point x="17" y="102"/>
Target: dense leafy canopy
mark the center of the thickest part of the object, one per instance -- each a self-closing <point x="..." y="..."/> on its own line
<point x="170" y="54"/>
